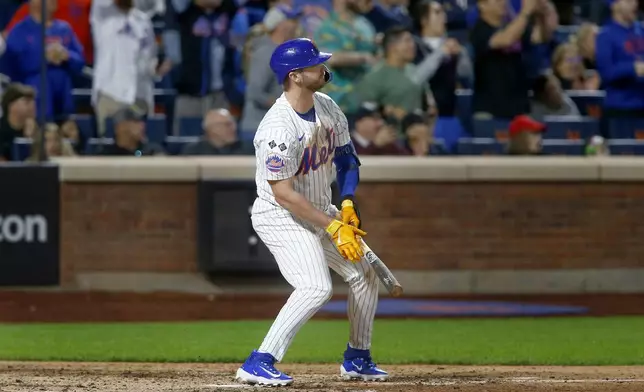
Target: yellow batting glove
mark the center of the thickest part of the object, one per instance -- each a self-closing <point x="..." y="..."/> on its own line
<point x="346" y="240"/>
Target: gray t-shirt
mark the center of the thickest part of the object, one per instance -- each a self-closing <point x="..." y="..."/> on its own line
<point x="539" y="110"/>
<point x="262" y="88"/>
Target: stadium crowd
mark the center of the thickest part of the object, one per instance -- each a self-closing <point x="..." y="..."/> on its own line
<point x="415" y="77"/>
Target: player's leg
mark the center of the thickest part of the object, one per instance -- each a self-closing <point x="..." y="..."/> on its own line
<point x="300" y="257"/>
<point x="361" y="310"/>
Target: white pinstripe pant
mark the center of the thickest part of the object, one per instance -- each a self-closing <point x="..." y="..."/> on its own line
<point x="304" y="260"/>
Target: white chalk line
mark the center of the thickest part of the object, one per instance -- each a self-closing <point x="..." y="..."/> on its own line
<point x="439" y="383"/>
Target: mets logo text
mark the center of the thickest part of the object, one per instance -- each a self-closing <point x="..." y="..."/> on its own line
<point x="274" y="163"/>
<point x="315" y="156"/>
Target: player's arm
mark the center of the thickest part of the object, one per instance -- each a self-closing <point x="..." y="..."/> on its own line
<point x="281" y="155"/>
<point x="347" y="165"/>
<point x="330" y="41"/>
<point x="512" y="33"/>
<point x="297" y="204"/>
<point x="344" y="236"/>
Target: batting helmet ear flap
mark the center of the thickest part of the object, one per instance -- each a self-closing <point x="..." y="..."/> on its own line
<point x="328" y="75"/>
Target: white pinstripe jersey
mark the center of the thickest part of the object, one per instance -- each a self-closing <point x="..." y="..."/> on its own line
<point x="288" y="146"/>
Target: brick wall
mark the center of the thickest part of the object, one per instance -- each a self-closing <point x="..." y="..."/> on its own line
<point x="127" y="227"/>
<point x="152" y="227"/>
<point x="505" y="226"/>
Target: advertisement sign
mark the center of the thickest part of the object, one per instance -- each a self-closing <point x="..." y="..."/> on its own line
<point x="227" y="241"/>
<point x="29" y="225"/>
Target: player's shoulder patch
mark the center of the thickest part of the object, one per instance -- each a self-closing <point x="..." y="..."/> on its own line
<point x="274" y="162"/>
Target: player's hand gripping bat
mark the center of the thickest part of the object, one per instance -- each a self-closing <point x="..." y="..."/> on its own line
<point x="384" y="274"/>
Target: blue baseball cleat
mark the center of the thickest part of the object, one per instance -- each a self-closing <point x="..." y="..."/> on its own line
<point x="358" y="365"/>
<point x="259" y="369"/>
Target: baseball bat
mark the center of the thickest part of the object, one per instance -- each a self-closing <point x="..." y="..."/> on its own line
<point x="384" y="274"/>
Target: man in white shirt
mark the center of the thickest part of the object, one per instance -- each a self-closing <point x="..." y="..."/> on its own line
<point x="125" y="59"/>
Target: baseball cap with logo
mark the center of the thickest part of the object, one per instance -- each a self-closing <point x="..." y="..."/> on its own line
<point x="279" y="14"/>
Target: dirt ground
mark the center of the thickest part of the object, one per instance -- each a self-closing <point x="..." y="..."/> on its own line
<point x="115" y="377"/>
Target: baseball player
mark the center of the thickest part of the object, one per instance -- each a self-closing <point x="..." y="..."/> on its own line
<point x="297" y="142"/>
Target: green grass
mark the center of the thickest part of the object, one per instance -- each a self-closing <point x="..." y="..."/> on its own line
<point x="554" y="341"/>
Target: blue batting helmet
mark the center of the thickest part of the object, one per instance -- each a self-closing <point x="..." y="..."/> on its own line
<point x="296" y="54"/>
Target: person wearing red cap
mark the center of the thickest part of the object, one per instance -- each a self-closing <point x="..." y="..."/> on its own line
<point x="525" y="136"/>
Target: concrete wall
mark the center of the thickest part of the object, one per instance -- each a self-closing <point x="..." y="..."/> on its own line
<point x="444" y="225"/>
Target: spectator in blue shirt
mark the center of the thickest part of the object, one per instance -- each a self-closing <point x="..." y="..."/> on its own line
<point x="22" y="60"/>
<point x="620" y="61"/>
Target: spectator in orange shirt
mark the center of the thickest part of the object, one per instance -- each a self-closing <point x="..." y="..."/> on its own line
<point x="74" y="12"/>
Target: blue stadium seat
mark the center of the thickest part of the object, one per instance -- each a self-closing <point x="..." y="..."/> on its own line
<point x="155" y="128"/>
<point x="190" y="126"/>
<point x="480" y="146"/>
<point x="494" y="128"/>
<point x="626" y="128"/>
<point x="21" y="149"/>
<point x="246" y="136"/>
<point x="164" y="96"/>
<point x="94" y="145"/>
<point x="86" y="125"/>
<point x="174" y="144"/>
<point x="626" y="147"/>
<point x="563" y="147"/>
<point x="82" y="97"/>
<point x="464" y="108"/>
<point x="565" y="127"/>
<point x="589" y="103"/>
